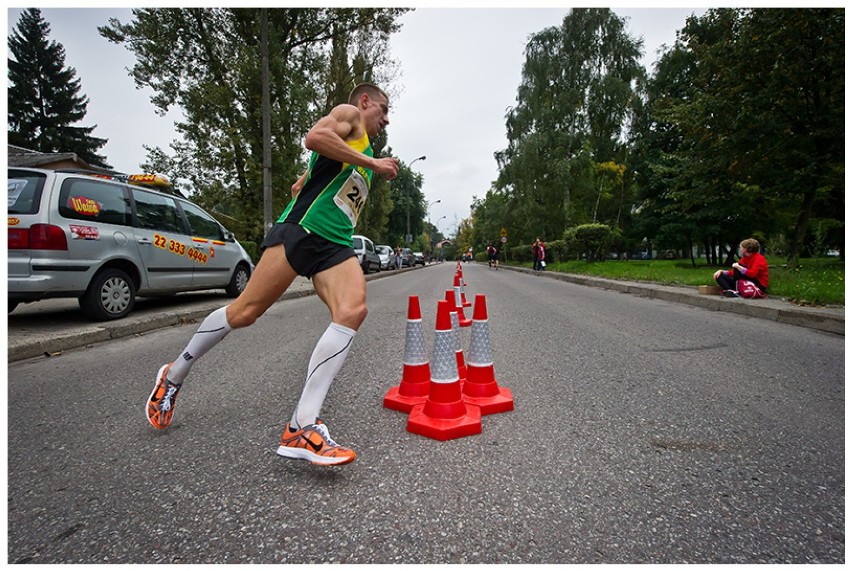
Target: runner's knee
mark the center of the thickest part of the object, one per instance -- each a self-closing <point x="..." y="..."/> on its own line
<point x="242" y="315"/>
<point x="351" y="316"/>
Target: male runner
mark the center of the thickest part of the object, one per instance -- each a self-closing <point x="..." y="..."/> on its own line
<point x="492" y="256"/>
<point x="312" y="238"/>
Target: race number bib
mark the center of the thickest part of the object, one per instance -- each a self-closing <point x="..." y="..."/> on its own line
<point x="352" y="196"/>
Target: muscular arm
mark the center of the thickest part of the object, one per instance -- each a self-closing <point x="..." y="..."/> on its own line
<point x="329" y="135"/>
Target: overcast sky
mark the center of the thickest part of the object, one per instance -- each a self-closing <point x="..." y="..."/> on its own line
<point x="460" y="71"/>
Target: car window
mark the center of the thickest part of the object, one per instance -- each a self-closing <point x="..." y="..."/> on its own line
<point x="369" y="246"/>
<point x="94" y="201"/>
<point x="25" y="191"/>
<point x="202" y="224"/>
<point x="157" y="212"/>
<point x="356" y="243"/>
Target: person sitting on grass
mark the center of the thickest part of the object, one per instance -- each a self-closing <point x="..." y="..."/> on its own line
<point x="747" y="278"/>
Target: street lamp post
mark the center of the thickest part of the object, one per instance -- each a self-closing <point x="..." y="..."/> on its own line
<point x="408" y="205"/>
<point x="438" y="223"/>
<point x="429" y="210"/>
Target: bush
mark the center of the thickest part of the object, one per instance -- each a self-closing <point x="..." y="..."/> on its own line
<point x="521" y="253"/>
<point x="593" y="240"/>
<point x="556" y="251"/>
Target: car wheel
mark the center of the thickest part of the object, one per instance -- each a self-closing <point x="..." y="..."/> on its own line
<point x="239" y="281"/>
<point x="111" y="295"/>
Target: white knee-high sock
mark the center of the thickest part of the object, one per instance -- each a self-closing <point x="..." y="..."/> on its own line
<point x="325" y="363"/>
<point x="212" y="330"/>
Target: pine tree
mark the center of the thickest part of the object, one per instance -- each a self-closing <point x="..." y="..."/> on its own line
<point x="43" y="100"/>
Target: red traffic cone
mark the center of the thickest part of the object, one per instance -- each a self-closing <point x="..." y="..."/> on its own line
<point x="444" y="415"/>
<point x="457" y="301"/>
<point x="480" y="387"/>
<point x="462" y="284"/>
<point x="451" y="301"/>
<point x="414" y="387"/>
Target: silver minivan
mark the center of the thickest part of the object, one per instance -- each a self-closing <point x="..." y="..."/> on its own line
<point x="106" y="239"/>
<point x="365" y="250"/>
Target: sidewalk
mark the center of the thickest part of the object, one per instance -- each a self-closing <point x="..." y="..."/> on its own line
<point x="48" y="328"/>
<point x="828" y="319"/>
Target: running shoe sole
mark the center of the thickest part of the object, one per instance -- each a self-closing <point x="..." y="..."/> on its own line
<point x="303" y="454"/>
<point x="157" y="384"/>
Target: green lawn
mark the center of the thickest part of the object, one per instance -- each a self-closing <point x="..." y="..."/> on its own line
<point x="819" y="281"/>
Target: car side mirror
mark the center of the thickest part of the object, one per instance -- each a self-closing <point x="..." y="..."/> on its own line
<point x="229" y="236"/>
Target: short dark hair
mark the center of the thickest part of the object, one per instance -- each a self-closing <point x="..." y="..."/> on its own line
<point x="372" y="90"/>
<point x="750" y="245"/>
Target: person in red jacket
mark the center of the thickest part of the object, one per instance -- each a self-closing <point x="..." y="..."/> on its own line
<point x="752" y="269"/>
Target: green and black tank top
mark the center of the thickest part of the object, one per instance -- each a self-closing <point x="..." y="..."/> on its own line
<point x="332" y="197"/>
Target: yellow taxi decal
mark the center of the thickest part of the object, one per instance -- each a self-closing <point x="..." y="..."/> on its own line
<point x="179" y="248"/>
<point x="197" y="255"/>
<point x="149" y="179"/>
<point x="84" y="205"/>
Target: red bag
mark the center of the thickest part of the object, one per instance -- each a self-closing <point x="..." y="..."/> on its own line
<point x="748" y="290"/>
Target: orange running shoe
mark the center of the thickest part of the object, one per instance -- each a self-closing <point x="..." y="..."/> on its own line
<point x="314" y="444"/>
<point x="161" y="403"/>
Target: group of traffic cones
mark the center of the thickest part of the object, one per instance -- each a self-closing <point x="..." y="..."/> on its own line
<point x="446" y="397"/>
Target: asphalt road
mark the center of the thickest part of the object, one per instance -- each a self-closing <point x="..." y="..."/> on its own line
<point x="644" y="431"/>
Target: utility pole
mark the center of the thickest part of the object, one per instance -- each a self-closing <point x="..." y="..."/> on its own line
<point x="266" y="112"/>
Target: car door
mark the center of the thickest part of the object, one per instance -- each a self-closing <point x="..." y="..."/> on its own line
<point x="163" y="240"/>
<point x="215" y="257"/>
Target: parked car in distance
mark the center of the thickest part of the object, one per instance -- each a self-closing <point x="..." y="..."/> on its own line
<point x="407" y="258"/>
<point x="108" y="238"/>
<point x="366" y="252"/>
<point x="387" y="257"/>
<point x="419" y="258"/>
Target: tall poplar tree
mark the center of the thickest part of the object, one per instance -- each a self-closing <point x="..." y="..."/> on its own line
<point x="575" y="103"/>
<point x="44" y="100"/>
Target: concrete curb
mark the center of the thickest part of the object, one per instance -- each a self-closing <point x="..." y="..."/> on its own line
<point x="830" y="320"/>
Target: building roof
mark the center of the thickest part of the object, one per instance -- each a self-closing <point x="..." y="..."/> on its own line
<point x="21" y="157"/>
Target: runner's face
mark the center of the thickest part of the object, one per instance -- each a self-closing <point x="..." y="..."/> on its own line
<point x="376" y="115"/>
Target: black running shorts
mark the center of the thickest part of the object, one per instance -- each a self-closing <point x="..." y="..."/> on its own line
<point x="307" y="253"/>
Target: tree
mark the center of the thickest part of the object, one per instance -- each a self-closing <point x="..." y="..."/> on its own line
<point x="408" y="205"/>
<point x="575" y="105"/>
<point x="207" y="62"/>
<point x="43" y="97"/>
<point x="762" y="127"/>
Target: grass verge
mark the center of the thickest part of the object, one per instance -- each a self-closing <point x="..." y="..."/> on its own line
<point x="818" y="281"/>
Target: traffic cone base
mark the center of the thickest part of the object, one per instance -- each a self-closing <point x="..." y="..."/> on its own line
<point x="482" y="390"/>
<point x="414" y="388"/>
<point x="501" y="402"/>
<point x="468" y="424"/>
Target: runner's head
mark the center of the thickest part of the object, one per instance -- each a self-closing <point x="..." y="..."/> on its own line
<point x="373" y="104"/>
